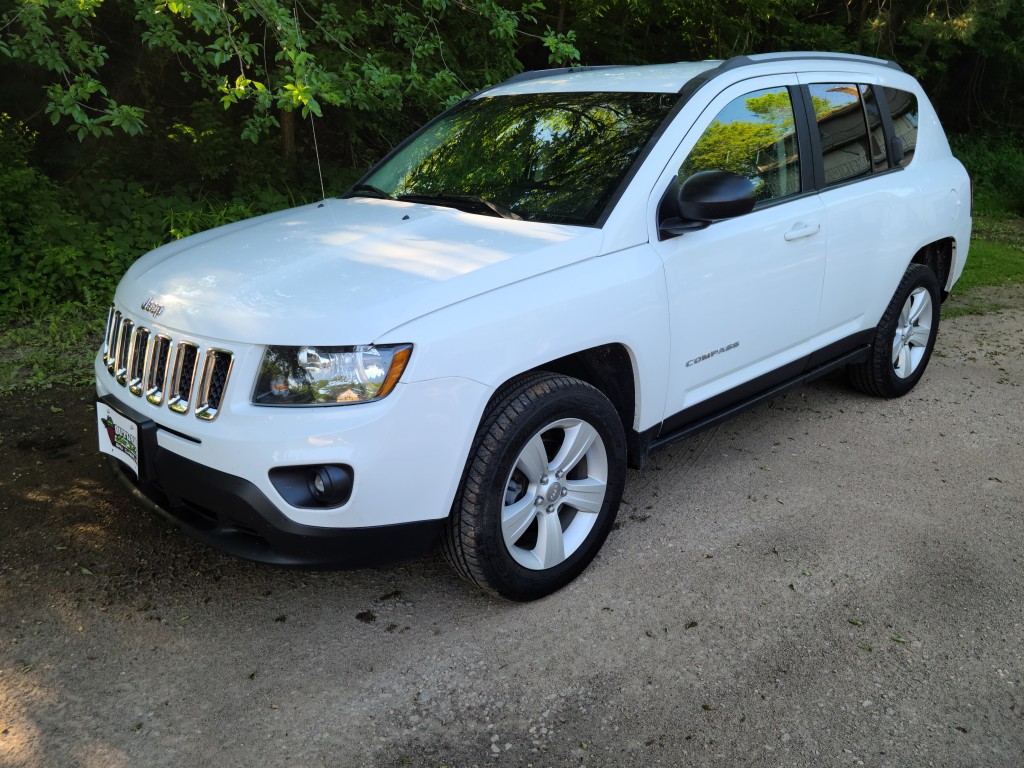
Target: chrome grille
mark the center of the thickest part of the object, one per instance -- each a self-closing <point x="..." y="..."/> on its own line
<point x="113" y="322"/>
<point x="124" y="342"/>
<point x="138" y="351"/>
<point x="156" y="370"/>
<point x="185" y="360"/>
<point x="180" y="374"/>
<point x="216" y="370"/>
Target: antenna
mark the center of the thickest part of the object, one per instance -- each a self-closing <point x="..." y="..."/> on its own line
<point x="312" y="122"/>
<point x="316" y="149"/>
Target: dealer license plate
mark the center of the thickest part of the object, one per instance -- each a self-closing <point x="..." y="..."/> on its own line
<point x="119" y="435"/>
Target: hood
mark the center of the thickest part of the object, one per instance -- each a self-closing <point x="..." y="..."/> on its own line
<point x="341" y="271"/>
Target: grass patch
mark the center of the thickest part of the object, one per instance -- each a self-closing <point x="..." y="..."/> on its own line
<point x="992" y="263"/>
<point x="970" y="305"/>
<point x="54" y="350"/>
<point x="996" y="258"/>
<point x="1008" y="231"/>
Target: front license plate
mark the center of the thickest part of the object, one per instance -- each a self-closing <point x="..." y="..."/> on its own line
<point x="119" y="436"/>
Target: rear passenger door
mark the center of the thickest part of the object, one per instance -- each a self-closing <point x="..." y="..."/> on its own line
<point x="868" y="241"/>
<point x="744" y="293"/>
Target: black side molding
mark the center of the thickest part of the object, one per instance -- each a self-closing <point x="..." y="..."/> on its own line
<point x="701" y="416"/>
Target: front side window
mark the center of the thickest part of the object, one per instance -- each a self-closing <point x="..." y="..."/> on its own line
<point x="753" y="136"/>
<point x="845" y="149"/>
<point x="556" y="157"/>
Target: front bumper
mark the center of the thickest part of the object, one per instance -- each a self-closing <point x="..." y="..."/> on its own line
<point x="231" y="514"/>
<point x="212" y="478"/>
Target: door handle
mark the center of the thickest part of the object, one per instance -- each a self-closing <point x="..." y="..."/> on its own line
<point x="802" y="230"/>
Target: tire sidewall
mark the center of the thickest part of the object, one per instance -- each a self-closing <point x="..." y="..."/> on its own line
<point x="581" y="402"/>
<point x="918" y="276"/>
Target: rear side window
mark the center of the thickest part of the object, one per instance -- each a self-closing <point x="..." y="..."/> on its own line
<point x="842" y="130"/>
<point x="752" y="136"/>
<point x="904" y="120"/>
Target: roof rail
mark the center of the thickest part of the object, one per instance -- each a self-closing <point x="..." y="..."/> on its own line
<point x="694" y="84"/>
<point x="757" y="58"/>
<point x="533" y="74"/>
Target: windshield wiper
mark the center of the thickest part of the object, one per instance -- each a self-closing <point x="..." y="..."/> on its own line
<point x="369" y="190"/>
<point x="474" y="204"/>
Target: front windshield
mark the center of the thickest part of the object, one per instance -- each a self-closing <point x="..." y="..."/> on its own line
<point x="552" y="157"/>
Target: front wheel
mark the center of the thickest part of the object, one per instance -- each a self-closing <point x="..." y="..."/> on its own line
<point x="905" y="337"/>
<point x="541" y="488"/>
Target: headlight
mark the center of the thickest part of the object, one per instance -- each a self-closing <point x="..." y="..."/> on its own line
<point x="329" y="375"/>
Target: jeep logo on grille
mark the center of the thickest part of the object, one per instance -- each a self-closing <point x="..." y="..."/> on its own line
<point x="152" y="307"/>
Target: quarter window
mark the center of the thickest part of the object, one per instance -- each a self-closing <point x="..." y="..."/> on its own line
<point x="845" y="149"/>
<point x="753" y="136"/>
<point x="904" y="120"/>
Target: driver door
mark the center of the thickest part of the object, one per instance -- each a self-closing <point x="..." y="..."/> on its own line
<point x="744" y="292"/>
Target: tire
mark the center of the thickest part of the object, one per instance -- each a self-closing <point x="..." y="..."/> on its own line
<point x="540" y="490"/>
<point x="904" y="339"/>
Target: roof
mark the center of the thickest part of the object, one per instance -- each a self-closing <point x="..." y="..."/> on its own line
<point x="662" y="78"/>
<point x="650" y="78"/>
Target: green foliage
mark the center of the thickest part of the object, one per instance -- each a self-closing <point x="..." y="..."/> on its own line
<point x="62" y="244"/>
<point x="51" y="250"/>
<point x="137" y="121"/>
<point x="273" y="56"/>
<point x="37" y="236"/>
<point x="996" y="165"/>
<point x="202" y="214"/>
<point x="55" y="35"/>
<point x="56" y="348"/>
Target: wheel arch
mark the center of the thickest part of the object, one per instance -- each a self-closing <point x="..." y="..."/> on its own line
<point x="612" y="370"/>
<point x="938" y="256"/>
<point x="604" y="321"/>
<point x="878" y="374"/>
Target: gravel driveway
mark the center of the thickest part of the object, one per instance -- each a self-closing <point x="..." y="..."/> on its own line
<point x="828" y="580"/>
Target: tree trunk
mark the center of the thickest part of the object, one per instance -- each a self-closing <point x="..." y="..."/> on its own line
<point x="861" y="22"/>
<point x="288" y="136"/>
<point x="288" y="160"/>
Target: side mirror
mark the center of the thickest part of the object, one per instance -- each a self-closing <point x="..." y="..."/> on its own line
<point x="706" y="197"/>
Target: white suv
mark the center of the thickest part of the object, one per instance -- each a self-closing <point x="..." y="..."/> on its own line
<point x="541" y="286"/>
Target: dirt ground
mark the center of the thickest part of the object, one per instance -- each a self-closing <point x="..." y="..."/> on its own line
<point x="828" y="580"/>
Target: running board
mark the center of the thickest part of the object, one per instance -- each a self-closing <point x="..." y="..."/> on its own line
<point x="856" y="355"/>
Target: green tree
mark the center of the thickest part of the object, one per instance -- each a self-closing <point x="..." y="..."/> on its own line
<point x="729" y="147"/>
<point x="276" y="58"/>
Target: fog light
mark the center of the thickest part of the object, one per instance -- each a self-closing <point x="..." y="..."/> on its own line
<point x="314" y="486"/>
<point x="329" y="485"/>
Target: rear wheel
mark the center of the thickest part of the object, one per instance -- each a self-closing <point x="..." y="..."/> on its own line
<point x="541" y="489"/>
<point x="905" y="337"/>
